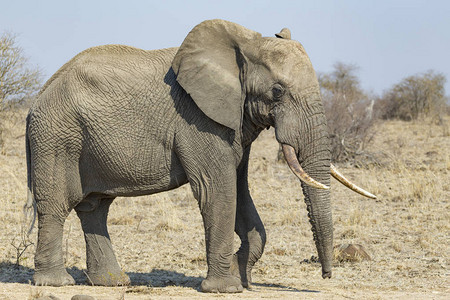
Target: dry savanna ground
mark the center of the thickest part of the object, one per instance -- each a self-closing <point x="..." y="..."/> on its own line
<point x="159" y="239"/>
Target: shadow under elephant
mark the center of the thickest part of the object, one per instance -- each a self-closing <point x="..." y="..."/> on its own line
<point x="12" y="273"/>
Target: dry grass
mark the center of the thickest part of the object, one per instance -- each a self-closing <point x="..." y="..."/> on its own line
<point x="159" y="239"/>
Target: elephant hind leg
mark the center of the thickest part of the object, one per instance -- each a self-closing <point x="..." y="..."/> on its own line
<point x="49" y="263"/>
<point x="102" y="266"/>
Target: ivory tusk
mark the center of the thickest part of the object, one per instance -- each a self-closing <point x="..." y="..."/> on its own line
<point x="339" y="177"/>
<point x="294" y="165"/>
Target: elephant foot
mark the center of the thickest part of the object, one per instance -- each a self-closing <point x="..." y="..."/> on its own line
<point x="53" y="278"/>
<point x="229" y="284"/>
<point x="108" y="278"/>
<point x="242" y="271"/>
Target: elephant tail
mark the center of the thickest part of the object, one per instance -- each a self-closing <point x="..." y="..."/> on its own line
<point x="29" y="209"/>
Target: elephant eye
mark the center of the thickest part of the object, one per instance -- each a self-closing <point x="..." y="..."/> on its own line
<point x="277" y="91"/>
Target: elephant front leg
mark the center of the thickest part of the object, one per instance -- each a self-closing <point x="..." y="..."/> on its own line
<point x="218" y="217"/>
<point x="249" y="228"/>
<point x="49" y="263"/>
<point x="216" y="194"/>
<point x="210" y="167"/>
<point x="102" y="266"/>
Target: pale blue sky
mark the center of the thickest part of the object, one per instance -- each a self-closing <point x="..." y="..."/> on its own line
<point x="388" y="40"/>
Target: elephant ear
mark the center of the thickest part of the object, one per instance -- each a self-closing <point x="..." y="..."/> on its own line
<point x="209" y="66"/>
<point x="285" y="33"/>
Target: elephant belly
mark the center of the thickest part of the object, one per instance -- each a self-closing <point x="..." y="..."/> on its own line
<point x="130" y="169"/>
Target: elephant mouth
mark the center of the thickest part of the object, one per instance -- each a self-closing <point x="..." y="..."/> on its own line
<point x="294" y="165"/>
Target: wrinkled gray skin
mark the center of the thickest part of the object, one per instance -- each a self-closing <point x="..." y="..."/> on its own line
<point x="120" y="121"/>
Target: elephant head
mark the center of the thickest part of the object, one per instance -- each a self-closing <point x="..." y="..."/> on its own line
<point x="248" y="82"/>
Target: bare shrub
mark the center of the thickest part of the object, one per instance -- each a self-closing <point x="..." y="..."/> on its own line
<point x="349" y="113"/>
<point x="17" y="80"/>
<point x="421" y="95"/>
<point x="20" y="244"/>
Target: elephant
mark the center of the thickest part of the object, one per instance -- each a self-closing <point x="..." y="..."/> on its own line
<point x="121" y="121"/>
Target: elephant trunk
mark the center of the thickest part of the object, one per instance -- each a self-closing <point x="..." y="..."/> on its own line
<point x="310" y="161"/>
<point x="314" y="156"/>
<point x="319" y="213"/>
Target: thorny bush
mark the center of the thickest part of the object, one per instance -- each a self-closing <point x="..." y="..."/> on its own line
<point x="349" y="113"/>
